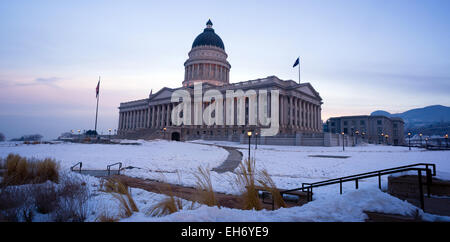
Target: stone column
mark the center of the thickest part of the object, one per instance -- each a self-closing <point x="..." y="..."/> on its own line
<point x="158" y="116"/>
<point x="295" y="112"/>
<point x="320" y="119"/>
<point x="169" y="110"/>
<point x="152" y="113"/>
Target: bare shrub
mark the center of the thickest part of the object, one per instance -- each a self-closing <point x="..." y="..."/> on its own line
<point x="73" y="197"/>
<point x="245" y="179"/>
<point x="46" y="197"/>
<point x="15" y="203"/>
<point x="204" y="188"/>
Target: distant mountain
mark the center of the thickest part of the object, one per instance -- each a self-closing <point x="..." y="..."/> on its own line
<point x="421" y="116"/>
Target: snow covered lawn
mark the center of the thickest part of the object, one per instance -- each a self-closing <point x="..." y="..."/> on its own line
<point x="289" y="166"/>
<point x="151" y="155"/>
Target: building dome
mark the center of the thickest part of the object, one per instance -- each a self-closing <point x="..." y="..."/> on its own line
<point x="208" y="37"/>
<point x="207" y="62"/>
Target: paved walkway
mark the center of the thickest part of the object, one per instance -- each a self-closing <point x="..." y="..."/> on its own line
<point x="232" y="162"/>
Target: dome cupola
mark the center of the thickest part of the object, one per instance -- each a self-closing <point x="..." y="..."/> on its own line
<point x="207" y="62"/>
<point x="208" y="37"/>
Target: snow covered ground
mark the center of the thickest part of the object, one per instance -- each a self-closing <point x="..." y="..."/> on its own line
<point x="150" y="155"/>
<point x="289" y="166"/>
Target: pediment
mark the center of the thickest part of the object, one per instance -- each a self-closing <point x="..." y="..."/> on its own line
<point x="162" y="94"/>
<point x="309" y="90"/>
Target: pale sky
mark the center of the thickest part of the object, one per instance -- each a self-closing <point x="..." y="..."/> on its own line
<point x="360" y="56"/>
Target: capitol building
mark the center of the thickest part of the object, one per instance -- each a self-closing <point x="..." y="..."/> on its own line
<point x="299" y="111"/>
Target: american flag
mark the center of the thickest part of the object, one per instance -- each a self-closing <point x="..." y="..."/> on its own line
<point x="97" y="89"/>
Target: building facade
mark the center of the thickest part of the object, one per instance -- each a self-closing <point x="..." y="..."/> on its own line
<point x="371" y="129"/>
<point x="150" y="118"/>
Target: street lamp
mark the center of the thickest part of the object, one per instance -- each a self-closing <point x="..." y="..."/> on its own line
<point x="256" y="140"/>
<point x="386" y="136"/>
<point x="420" y="135"/>
<point x="381" y="140"/>
<point x="79" y="135"/>
<point x="343" y="146"/>
<point x="446" y="140"/>
<point x="426" y="143"/>
<point x="409" y="140"/>
<point x="357" y="133"/>
<point x="249" y="134"/>
<point x="363" y="135"/>
<point x="164" y="129"/>
<point x="109" y="130"/>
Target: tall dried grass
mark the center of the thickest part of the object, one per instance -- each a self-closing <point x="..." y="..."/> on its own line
<point x="266" y="181"/>
<point x="20" y="170"/>
<point x="205" y="192"/>
<point x="245" y="179"/>
<point x="121" y="192"/>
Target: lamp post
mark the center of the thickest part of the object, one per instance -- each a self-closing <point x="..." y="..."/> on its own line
<point x="446" y="140"/>
<point x="386" y="136"/>
<point x="164" y="129"/>
<point x="420" y="135"/>
<point x="382" y="136"/>
<point x="109" y="130"/>
<point x="249" y="134"/>
<point x="409" y="140"/>
<point x="426" y="143"/>
<point x="256" y="140"/>
<point x="79" y="135"/>
<point x="363" y="136"/>
<point x="356" y="136"/>
<point x="343" y="146"/>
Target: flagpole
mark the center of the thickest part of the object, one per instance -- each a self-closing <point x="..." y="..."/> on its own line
<point x="299" y="70"/>
<point x="96" y="111"/>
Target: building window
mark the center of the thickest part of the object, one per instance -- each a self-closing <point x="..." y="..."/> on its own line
<point x="353" y="122"/>
<point x="345" y="130"/>
<point x="345" y="122"/>
<point x="362" y="122"/>
<point x="332" y="124"/>
<point x="379" y="122"/>
<point x="395" y="125"/>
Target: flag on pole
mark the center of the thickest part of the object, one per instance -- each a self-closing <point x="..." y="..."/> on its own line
<point x="97" y="89"/>
<point x="296" y="62"/>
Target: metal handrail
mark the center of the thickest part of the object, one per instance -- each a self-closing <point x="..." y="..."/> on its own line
<point x="79" y="163"/>
<point x="109" y="167"/>
<point x="378" y="171"/>
<point x="309" y="186"/>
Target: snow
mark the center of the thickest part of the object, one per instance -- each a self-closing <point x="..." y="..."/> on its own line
<point x="289" y="166"/>
<point x="349" y="207"/>
<point x="157" y="155"/>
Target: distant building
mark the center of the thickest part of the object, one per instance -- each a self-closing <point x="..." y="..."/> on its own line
<point x="371" y="129"/>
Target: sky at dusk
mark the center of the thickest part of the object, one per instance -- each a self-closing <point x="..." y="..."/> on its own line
<point x="361" y="56"/>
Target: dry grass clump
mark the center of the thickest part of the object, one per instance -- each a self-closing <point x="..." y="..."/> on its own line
<point x="266" y="181"/>
<point x="20" y="170"/>
<point x="245" y="178"/>
<point x="106" y="218"/>
<point x="64" y="202"/>
<point x="120" y="191"/>
<point x="204" y="187"/>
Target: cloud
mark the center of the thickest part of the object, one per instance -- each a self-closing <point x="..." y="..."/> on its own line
<point x="47" y="81"/>
<point x="50" y="81"/>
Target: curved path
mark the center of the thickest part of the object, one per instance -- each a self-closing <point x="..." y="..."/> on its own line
<point x="232" y="161"/>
